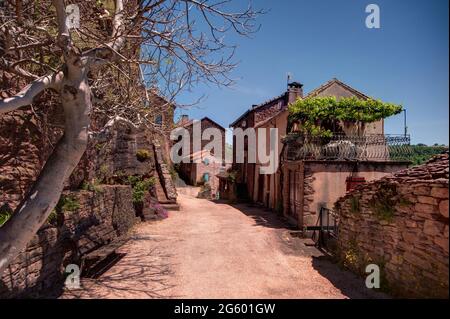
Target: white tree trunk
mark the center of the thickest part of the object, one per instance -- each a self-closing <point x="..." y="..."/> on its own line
<point x="35" y="209"/>
<point x="75" y="93"/>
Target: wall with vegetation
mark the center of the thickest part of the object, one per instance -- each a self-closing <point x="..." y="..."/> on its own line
<point x="83" y="222"/>
<point x="400" y="223"/>
<point x="116" y="181"/>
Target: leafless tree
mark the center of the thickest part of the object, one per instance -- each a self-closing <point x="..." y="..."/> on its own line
<point x="157" y="46"/>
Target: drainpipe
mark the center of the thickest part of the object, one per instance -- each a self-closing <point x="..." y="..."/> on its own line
<point x="404" y="122"/>
<point x="300" y="214"/>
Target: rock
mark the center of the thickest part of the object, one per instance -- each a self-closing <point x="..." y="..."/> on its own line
<point x="422" y="190"/>
<point x="409" y="237"/>
<point x="443" y="208"/>
<point x="411" y="224"/>
<point x="431" y="228"/>
<point x="443" y="243"/>
<point x="439" y="192"/>
<point x="396" y="259"/>
<point x="424" y="208"/>
<point x="416" y="260"/>
<point x="427" y="200"/>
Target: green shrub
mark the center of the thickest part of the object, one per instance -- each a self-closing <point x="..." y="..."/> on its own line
<point x="67" y="203"/>
<point x="5" y="213"/>
<point x="53" y="217"/>
<point x="132" y="180"/>
<point x="352" y="257"/>
<point x="173" y="173"/>
<point x="140" y="187"/>
<point x="383" y="202"/>
<point x="93" y="186"/>
<point x="383" y="210"/>
<point x="354" y="204"/>
<point x="142" y="155"/>
<point x="421" y="153"/>
<point x="232" y="176"/>
<point x="314" y="112"/>
<point x="99" y="146"/>
<point x="4" y="216"/>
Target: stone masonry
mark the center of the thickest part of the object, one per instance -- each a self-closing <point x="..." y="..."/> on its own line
<point x="105" y="212"/>
<point x="401" y="223"/>
<point x="98" y="219"/>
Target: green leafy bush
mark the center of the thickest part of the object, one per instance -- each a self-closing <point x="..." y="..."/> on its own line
<point x="67" y="203"/>
<point x="142" y="155"/>
<point x="173" y="173"/>
<point x="232" y="176"/>
<point x="421" y="153"/>
<point x="383" y="202"/>
<point x="4" y="216"/>
<point x="132" y="180"/>
<point x="53" y="217"/>
<point x="5" y="213"/>
<point x="313" y="113"/>
<point x="93" y="186"/>
<point x="354" y="204"/>
<point x="140" y="187"/>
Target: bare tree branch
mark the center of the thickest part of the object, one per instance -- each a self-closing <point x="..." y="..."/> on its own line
<point x="26" y="96"/>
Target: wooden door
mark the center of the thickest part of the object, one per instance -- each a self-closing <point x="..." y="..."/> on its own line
<point x="294" y="194"/>
<point x="260" y="188"/>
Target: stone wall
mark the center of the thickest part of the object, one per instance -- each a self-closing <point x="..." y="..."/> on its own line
<point x="101" y="217"/>
<point x="113" y="157"/>
<point x="26" y="141"/>
<point x="325" y="182"/>
<point x="321" y="183"/>
<point x="104" y="214"/>
<point x="401" y="223"/>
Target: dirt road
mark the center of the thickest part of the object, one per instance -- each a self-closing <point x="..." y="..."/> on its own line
<point x="215" y="250"/>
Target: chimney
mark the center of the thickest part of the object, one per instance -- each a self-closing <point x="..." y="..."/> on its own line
<point x="184" y="119"/>
<point x="295" y="90"/>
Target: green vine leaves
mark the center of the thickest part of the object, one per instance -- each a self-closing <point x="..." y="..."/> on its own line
<point x="312" y="112"/>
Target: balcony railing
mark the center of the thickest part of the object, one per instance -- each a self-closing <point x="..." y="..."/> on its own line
<point x="378" y="147"/>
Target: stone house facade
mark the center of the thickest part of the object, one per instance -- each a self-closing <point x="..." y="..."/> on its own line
<point x="264" y="189"/>
<point x="304" y="183"/>
<point x="202" y="166"/>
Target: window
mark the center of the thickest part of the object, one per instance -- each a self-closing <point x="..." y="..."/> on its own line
<point x="158" y="119"/>
<point x="206" y="177"/>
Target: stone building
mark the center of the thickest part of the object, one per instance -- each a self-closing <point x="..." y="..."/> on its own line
<point x="264" y="189"/>
<point x="202" y="166"/>
<point x="313" y="173"/>
<point x="400" y="222"/>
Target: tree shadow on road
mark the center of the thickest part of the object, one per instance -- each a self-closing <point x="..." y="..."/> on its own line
<point x="137" y="275"/>
<point x="348" y="283"/>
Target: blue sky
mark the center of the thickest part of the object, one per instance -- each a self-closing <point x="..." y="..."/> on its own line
<point x="405" y="61"/>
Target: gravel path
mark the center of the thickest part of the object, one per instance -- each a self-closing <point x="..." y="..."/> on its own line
<point x="215" y="250"/>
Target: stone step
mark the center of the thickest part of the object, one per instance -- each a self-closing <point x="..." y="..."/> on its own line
<point x="151" y="216"/>
<point x="189" y="191"/>
<point x="171" y="207"/>
<point x="168" y="201"/>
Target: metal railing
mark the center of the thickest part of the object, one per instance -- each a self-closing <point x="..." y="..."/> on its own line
<point x="348" y="147"/>
<point x="326" y="229"/>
